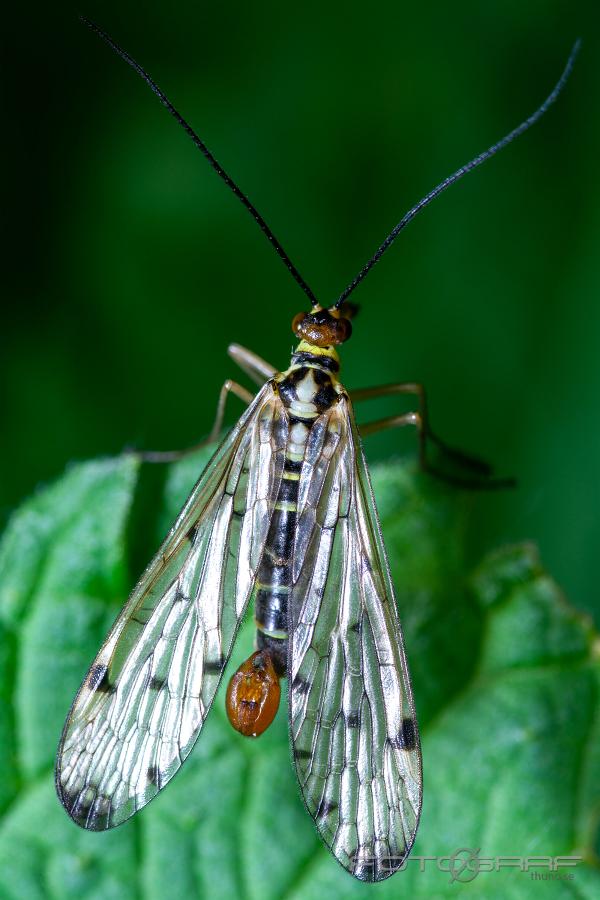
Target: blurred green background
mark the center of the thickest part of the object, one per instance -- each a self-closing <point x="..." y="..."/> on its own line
<point x="129" y="266"/>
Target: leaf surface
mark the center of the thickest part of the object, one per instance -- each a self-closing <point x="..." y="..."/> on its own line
<point x="505" y="676"/>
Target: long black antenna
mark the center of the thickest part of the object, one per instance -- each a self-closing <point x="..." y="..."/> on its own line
<point x="204" y="149"/>
<point x="459" y="174"/>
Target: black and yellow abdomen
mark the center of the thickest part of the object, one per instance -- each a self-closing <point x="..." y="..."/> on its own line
<point x="307" y="389"/>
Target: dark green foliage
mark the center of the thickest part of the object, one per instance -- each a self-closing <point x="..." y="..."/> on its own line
<point x="129" y="267"/>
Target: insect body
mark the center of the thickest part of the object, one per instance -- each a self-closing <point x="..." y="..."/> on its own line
<point x="282" y="518"/>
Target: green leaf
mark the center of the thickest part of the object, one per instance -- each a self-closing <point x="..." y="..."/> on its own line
<point x="506" y="680"/>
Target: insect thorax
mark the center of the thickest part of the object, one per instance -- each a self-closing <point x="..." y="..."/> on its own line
<point x="310" y="385"/>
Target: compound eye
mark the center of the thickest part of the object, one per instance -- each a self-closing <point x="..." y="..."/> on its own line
<point x="344" y="329"/>
<point x="296" y="323"/>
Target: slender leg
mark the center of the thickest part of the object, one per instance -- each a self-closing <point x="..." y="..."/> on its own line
<point x="230" y="387"/>
<point x="410" y="418"/>
<point x="254" y="367"/>
<point x="420" y="421"/>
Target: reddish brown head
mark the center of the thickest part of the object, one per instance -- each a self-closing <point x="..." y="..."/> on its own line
<point x="323" y="327"/>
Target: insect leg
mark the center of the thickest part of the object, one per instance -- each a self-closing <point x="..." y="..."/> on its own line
<point x="229" y="387"/>
<point x="410" y="418"/>
<point x="425" y="431"/>
<point x="254" y="367"/>
<point x="420" y="421"/>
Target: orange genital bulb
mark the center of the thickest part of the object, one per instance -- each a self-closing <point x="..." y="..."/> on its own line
<point x="253" y="695"/>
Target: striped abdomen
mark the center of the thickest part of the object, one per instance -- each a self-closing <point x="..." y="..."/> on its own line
<point x="306" y="392"/>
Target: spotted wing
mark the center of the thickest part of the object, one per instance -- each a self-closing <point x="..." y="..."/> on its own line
<point x="141" y="707"/>
<point x="352" y="717"/>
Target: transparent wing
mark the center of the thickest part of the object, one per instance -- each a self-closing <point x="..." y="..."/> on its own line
<point x="141" y="707"/>
<point x="352" y="717"/>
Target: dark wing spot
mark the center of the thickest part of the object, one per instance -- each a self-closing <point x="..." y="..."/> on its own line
<point x="325" y="808"/>
<point x="98" y="679"/>
<point x="301" y="754"/>
<point x="98" y="821"/>
<point x="180" y="597"/>
<point x="191" y="535"/>
<point x="156" y="683"/>
<point x="366" y="566"/>
<point x="153" y="775"/>
<point x="406" y="739"/>
<point x="67" y="798"/>
<point x="353" y="720"/>
<point x="76" y="806"/>
<point x="300" y="685"/>
<point x="214" y="666"/>
<point x="356" y="627"/>
<point x="365" y="869"/>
